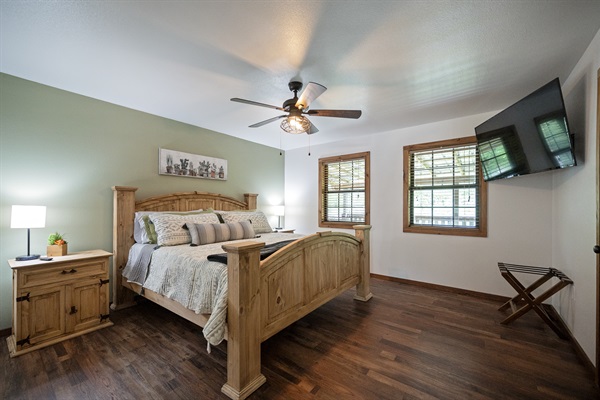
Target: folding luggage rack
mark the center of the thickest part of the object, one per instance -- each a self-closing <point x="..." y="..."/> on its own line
<point x="525" y="301"/>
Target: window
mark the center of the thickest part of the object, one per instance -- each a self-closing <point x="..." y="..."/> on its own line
<point x="444" y="190"/>
<point x="344" y="190"/>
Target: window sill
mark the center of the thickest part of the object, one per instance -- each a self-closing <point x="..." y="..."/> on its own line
<point x="434" y="230"/>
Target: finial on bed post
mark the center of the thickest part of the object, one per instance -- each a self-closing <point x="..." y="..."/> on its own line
<point x="363" y="289"/>
<point x="243" y="319"/>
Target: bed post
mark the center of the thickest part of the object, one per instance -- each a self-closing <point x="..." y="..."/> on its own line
<point x="363" y="289"/>
<point x="250" y="200"/>
<point x="243" y="320"/>
<point x="123" y="214"/>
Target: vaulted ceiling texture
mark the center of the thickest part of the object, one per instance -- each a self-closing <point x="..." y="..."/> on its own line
<point x="402" y="63"/>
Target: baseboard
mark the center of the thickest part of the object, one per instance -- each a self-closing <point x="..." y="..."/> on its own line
<point x="576" y="346"/>
<point x="466" y="292"/>
<point x="494" y="297"/>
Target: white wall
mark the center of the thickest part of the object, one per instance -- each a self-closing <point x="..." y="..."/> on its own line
<point x="545" y="219"/>
<point x="574" y="205"/>
<point x="519" y="227"/>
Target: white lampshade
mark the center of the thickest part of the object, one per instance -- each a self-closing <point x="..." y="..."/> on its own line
<point x="279" y="211"/>
<point x="28" y="217"/>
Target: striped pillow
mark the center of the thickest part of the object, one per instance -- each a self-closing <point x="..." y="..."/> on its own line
<point x="213" y="233"/>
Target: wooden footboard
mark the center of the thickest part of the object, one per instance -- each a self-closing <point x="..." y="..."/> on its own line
<point x="267" y="296"/>
<point x="264" y="297"/>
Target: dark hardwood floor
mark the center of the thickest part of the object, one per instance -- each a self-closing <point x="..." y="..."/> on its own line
<point x="408" y="342"/>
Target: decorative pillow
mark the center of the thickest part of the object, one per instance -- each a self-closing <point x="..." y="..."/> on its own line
<point x="219" y="214"/>
<point x="149" y="230"/>
<point x="139" y="230"/>
<point x="214" y="233"/>
<point x="144" y="232"/>
<point x="257" y="218"/>
<point x="171" y="229"/>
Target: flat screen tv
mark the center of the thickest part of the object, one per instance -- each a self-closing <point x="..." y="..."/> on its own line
<point x="530" y="136"/>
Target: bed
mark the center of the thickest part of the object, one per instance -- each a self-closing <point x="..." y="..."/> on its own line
<point x="263" y="296"/>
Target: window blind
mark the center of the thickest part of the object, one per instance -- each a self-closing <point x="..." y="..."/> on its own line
<point x="344" y="191"/>
<point x="444" y="187"/>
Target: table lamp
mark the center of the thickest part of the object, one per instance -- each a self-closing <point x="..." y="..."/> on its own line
<point x="28" y="217"/>
<point x="280" y="212"/>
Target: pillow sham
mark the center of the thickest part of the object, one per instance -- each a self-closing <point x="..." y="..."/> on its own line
<point x="214" y="233"/>
<point x="259" y="221"/>
<point x="143" y="230"/>
<point x="140" y="234"/>
<point x="171" y="229"/>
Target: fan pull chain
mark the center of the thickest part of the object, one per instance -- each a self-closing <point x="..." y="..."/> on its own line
<point x="280" y="152"/>
<point x="308" y="145"/>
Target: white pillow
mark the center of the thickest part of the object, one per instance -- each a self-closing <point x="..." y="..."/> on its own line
<point x="139" y="230"/>
<point x="170" y="230"/>
<point x="259" y="221"/>
<point x="142" y="233"/>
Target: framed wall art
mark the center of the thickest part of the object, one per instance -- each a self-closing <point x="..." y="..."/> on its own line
<point x="178" y="163"/>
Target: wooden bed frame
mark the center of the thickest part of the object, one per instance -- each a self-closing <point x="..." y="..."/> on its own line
<point x="265" y="296"/>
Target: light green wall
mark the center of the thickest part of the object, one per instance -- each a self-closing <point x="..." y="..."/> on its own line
<point x="65" y="151"/>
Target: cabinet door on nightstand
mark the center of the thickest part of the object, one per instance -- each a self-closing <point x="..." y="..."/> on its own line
<point x="87" y="305"/>
<point x="40" y="314"/>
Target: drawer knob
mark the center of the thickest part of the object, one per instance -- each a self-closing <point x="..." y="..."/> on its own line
<point x="72" y="271"/>
<point x="73" y="310"/>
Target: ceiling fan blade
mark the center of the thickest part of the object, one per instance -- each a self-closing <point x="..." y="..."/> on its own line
<point x="355" y="114"/>
<point x="256" y="103"/>
<point x="312" y="129"/>
<point x="267" y="121"/>
<point x="310" y="93"/>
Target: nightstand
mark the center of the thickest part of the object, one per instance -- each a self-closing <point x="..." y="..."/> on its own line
<point x="284" y="230"/>
<point x="58" y="299"/>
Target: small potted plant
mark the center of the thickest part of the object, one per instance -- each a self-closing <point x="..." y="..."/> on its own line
<point x="57" y="245"/>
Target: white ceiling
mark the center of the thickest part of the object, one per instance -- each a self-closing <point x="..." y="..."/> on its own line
<point x="403" y="63"/>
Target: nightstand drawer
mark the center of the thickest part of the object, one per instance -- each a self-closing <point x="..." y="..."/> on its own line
<point x="65" y="272"/>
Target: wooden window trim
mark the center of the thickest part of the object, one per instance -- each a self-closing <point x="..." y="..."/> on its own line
<point x="345" y="225"/>
<point x="481" y="231"/>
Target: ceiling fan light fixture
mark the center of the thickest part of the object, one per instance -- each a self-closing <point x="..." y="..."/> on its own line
<point x="294" y="121"/>
<point x="295" y="124"/>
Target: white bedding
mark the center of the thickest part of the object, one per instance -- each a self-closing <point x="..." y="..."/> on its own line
<point x="182" y="273"/>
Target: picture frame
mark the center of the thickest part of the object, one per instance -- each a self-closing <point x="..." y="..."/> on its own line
<point x="179" y="163"/>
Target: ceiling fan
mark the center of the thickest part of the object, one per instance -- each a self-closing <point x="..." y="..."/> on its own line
<point x="297" y="107"/>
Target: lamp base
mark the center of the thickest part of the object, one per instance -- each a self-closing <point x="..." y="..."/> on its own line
<point x="28" y="257"/>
